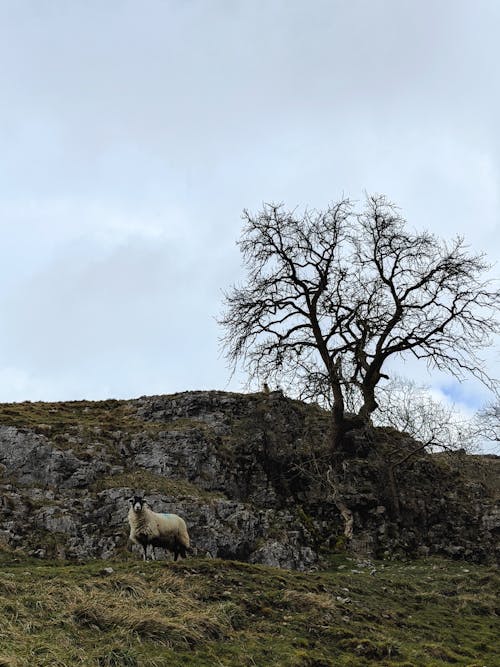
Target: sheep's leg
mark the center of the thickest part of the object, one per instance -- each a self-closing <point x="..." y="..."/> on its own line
<point x="145" y="547"/>
<point x="153" y="557"/>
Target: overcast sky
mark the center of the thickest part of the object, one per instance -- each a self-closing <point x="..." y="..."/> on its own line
<point x="134" y="133"/>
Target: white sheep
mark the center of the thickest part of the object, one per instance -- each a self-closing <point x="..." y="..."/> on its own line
<point x="167" y="531"/>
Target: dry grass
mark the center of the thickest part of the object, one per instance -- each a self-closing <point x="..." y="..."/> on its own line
<point x="151" y="483"/>
<point x="172" y="618"/>
<point x="8" y="662"/>
<point x="310" y="602"/>
<point x="201" y="613"/>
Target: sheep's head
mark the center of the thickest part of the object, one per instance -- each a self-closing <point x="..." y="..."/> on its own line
<point x="137" y="503"/>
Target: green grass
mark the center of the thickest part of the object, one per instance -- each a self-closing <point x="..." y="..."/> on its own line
<point x="77" y="425"/>
<point x="52" y="418"/>
<point x="149" y="482"/>
<point x="204" y="612"/>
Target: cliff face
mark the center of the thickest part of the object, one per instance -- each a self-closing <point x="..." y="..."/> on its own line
<point x="245" y="471"/>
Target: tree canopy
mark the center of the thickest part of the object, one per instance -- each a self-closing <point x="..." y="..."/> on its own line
<point x="330" y="296"/>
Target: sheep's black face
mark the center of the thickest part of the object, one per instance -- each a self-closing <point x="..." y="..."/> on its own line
<point x="137" y="503"/>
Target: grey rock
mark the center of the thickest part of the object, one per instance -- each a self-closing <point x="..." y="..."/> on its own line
<point x="244" y="495"/>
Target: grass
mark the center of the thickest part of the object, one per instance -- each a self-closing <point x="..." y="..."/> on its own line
<point x="149" y="482"/>
<point x="220" y="613"/>
<point x="80" y="425"/>
<point x="52" y="418"/>
<point x="210" y="612"/>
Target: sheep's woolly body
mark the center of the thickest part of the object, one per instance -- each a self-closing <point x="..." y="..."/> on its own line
<point x="168" y="531"/>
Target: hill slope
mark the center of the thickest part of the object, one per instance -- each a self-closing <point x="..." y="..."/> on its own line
<point x="245" y="472"/>
<point x="210" y="612"/>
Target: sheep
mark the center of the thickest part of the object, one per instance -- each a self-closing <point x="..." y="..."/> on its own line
<point x="167" y="531"/>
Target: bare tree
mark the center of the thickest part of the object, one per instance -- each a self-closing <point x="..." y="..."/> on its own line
<point x="422" y="297"/>
<point x="330" y="296"/>
<point x="434" y="426"/>
<point x="488" y="422"/>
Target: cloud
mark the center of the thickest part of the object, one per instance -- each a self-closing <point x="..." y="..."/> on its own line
<point x="133" y="136"/>
<point x="136" y="319"/>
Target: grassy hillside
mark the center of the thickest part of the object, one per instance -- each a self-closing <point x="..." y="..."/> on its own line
<point x="210" y="612"/>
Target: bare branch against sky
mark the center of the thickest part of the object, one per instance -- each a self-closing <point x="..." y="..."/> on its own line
<point x="333" y="295"/>
<point x="133" y="134"/>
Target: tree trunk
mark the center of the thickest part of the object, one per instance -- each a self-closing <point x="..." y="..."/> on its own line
<point x="348" y="517"/>
<point x="345" y="512"/>
<point x="336" y="434"/>
<point x="338" y="411"/>
<point x="369" y="402"/>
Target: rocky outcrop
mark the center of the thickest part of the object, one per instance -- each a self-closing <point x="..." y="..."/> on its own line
<point x="245" y="471"/>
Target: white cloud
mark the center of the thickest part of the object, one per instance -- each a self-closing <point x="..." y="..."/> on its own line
<point x="133" y="136"/>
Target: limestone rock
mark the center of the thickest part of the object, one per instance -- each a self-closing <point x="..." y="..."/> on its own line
<point x="233" y="466"/>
